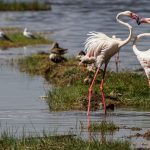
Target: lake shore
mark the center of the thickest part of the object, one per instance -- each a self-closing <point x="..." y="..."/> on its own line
<point x="70" y="91"/>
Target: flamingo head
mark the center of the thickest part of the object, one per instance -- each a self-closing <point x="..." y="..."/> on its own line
<point x="132" y="15"/>
<point x="144" y="20"/>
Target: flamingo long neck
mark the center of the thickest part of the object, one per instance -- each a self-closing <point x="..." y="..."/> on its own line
<point x="135" y="49"/>
<point x="124" y="42"/>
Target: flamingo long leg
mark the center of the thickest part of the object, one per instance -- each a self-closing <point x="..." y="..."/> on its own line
<point x="101" y="89"/>
<point x="90" y="94"/>
<point x="117" y="57"/>
<point x="117" y="61"/>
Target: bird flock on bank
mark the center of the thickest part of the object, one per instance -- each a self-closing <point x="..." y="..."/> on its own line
<point x="26" y="33"/>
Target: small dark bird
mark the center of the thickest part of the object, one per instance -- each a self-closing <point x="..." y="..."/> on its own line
<point x="110" y="107"/>
<point x="3" y="36"/>
<point x="58" y="50"/>
<point x="56" y="53"/>
<point x="57" y="58"/>
<point x="80" y="55"/>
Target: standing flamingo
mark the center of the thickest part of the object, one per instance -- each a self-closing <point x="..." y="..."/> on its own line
<point x="143" y="56"/>
<point x="101" y="48"/>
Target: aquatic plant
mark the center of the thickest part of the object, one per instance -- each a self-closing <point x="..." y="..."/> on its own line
<point x="18" y="40"/>
<point x="103" y="126"/>
<point x="58" y="142"/>
<point x="24" y="6"/>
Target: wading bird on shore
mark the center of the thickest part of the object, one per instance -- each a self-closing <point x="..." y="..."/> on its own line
<point x="56" y="53"/>
<point x="28" y="34"/>
<point x="143" y="56"/>
<point x="3" y="36"/>
<point x="101" y="48"/>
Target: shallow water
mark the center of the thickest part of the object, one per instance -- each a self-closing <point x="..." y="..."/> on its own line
<point x="23" y="112"/>
<point x="69" y="21"/>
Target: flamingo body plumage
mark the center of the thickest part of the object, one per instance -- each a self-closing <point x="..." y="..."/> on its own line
<point x="143" y="56"/>
<point x="101" y="48"/>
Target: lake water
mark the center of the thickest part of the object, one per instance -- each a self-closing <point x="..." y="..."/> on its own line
<point x="69" y="22"/>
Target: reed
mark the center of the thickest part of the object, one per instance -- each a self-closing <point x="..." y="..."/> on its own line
<point x="61" y="142"/>
<point x="18" y="40"/>
<point x="24" y="6"/>
<point x="103" y="127"/>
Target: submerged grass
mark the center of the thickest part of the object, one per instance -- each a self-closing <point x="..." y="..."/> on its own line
<point x="23" y="6"/>
<point x="18" y="40"/>
<point x="62" y="142"/>
<point x="103" y="127"/>
<point x="70" y="92"/>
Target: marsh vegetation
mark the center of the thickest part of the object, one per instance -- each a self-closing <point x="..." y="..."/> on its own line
<point x="18" y="39"/>
<point x="103" y="126"/>
<point x="23" y="6"/>
<point x="70" y="92"/>
<point x="58" y="142"/>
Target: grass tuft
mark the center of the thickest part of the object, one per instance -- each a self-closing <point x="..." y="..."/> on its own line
<point x="24" y="6"/>
<point x="61" y="142"/>
<point x="103" y="127"/>
<point x="18" y="40"/>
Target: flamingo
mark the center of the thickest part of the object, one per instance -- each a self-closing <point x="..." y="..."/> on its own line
<point x="143" y="56"/>
<point x="117" y="54"/>
<point x="100" y="47"/>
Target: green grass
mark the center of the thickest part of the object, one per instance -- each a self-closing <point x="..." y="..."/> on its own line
<point x="70" y="92"/>
<point x="103" y="127"/>
<point x="18" y="40"/>
<point x="23" y="6"/>
<point x="64" y="142"/>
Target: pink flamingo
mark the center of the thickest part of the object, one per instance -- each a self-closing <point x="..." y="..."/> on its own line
<point x="143" y="56"/>
<point x="100" y="47"/>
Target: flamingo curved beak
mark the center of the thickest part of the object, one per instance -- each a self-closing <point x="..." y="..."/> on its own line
<point x="145" y="20"/>
<point x="136" y="17"/>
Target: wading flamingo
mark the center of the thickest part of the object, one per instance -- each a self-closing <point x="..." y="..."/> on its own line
<point x="101" y="48"/>
<point x="143" y="56"/>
